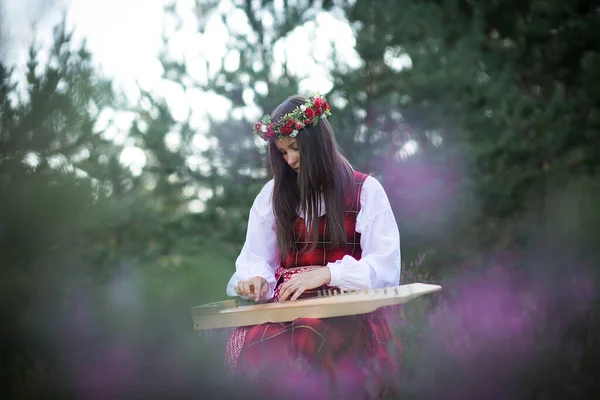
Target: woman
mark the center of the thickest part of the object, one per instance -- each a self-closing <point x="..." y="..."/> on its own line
<point x="317" y="224"/>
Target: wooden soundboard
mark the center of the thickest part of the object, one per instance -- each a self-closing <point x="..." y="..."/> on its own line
<point x="227" y="314"/>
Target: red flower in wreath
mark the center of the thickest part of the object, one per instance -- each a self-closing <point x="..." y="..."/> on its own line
<point x="320" y="103"/>
<point x="310" y="113"/>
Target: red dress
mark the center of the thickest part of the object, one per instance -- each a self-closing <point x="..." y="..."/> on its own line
<point x="355" y="356"/>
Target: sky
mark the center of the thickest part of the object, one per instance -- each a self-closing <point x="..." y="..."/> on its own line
<point x="125" y="38"/>
<point x="127" y="51"/>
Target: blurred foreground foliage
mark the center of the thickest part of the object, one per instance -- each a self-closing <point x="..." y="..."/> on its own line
<point x="101" y="265"/>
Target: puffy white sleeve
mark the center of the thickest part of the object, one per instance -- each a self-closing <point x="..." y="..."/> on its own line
<point x="379" y="265"/>
<point x="260" y="254"/>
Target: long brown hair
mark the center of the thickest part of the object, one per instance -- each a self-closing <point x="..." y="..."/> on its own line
<point x="323" y="169"/>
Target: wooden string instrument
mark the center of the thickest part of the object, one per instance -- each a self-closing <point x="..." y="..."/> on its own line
<point x="333" y="303"/>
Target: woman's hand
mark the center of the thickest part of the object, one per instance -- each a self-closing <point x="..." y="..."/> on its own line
<point x="304" y="281"/>
<point x="256" y="286"/>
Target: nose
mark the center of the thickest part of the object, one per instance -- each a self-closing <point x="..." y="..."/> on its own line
<point x="292" y="158"/>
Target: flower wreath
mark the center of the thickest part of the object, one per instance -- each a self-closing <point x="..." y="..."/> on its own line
<point x="290" y="124"/>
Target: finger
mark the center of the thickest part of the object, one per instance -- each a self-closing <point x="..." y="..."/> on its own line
<point x="283" y="288"/>
<point x="283" y="297"/>
<point x="264" y="289"/>
<point x="239" y="289"/>
<point x="256" y="283"/>
<point x="246" y="288"/>
<point x="298" y="293"/>
<point x="288" y="292"/>
<point x="283" y="292"/>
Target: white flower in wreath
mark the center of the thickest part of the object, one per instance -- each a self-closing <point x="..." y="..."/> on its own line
<point x="263" y="128"/>
<point x="294" y="133"/>
<point x="303" y="107"/>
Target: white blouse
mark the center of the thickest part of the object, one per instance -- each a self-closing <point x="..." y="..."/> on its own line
<point x="378" y="267"/>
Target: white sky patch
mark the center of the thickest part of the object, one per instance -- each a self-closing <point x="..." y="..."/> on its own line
<point x="408" y="149"/>
<point x="134" y="157"/>
<point x="397" y="59"/>
<point x="197" y="206"/>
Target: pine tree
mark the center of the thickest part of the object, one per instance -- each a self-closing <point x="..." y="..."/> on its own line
<point x="237" y="167"/>
<point x="505" y="95"/>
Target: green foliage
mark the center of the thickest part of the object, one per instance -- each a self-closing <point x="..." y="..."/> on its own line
<point x="44" y="131"/>
<point x="500" y="98"/>
<point x="77" y="223"/>
<point x="498" y="90"/>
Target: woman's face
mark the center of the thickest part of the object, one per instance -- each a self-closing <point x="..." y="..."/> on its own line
<point x="288" y="147"/>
